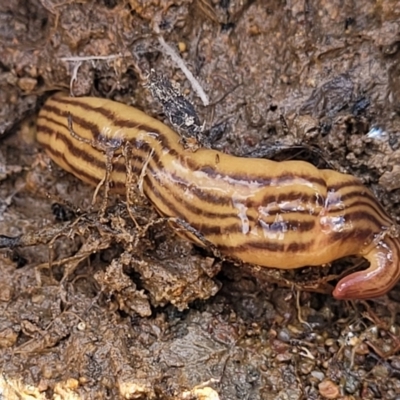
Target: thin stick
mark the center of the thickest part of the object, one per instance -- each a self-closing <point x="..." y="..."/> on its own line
<point x="182" y="66"/>
<point x="90" y="58"/>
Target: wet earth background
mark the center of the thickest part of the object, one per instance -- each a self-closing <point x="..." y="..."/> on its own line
<point x="123" y="315"/>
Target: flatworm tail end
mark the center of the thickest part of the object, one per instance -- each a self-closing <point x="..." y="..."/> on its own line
<point x="382" y="274"/>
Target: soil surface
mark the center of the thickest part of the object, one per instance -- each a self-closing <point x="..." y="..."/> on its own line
<point x="93" y="308"/>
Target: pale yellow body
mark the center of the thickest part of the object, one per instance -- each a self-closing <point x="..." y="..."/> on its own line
<point x="273" y="214"/>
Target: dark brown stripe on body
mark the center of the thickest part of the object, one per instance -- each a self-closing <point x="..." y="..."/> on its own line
<point x="107" y="113"/>
<point x="273" y="247"/>
<point x="76" y="171"/>
<point x="286" y="227"/>
<point x="117" y="123"/>
<point x="315" y="202"/>
<point x="356" y="195"/>
<point x="79" y="153"/>
<point x="76" y="120"/>
<point x="262" y="180"/>
<point x="209" y="170"/>
<point x="72" y="149"/>
<point x="337" y="187"/>
<point x="360" y="215"/>
<point x="152" y="175"/>
<point x="356" y="236"/>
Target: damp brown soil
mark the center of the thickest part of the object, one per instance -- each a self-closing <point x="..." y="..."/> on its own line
<point x="94" y="308"/>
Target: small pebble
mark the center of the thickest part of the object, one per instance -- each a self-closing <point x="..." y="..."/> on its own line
<point x="318" y="375"/>
<point x="380" y="372"/>
<point x="182" y="47"/>
<point x="284" y="335"/>
<point x="8" y="337"/>
<point x="329" y="389"/>
<point x="27" y="84"/>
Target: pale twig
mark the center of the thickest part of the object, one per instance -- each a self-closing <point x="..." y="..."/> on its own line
<point x="182" y="66"/>
<point x="74" y="76"/>
<point x="143" y="172"/>
<point x="90" y="58"/>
